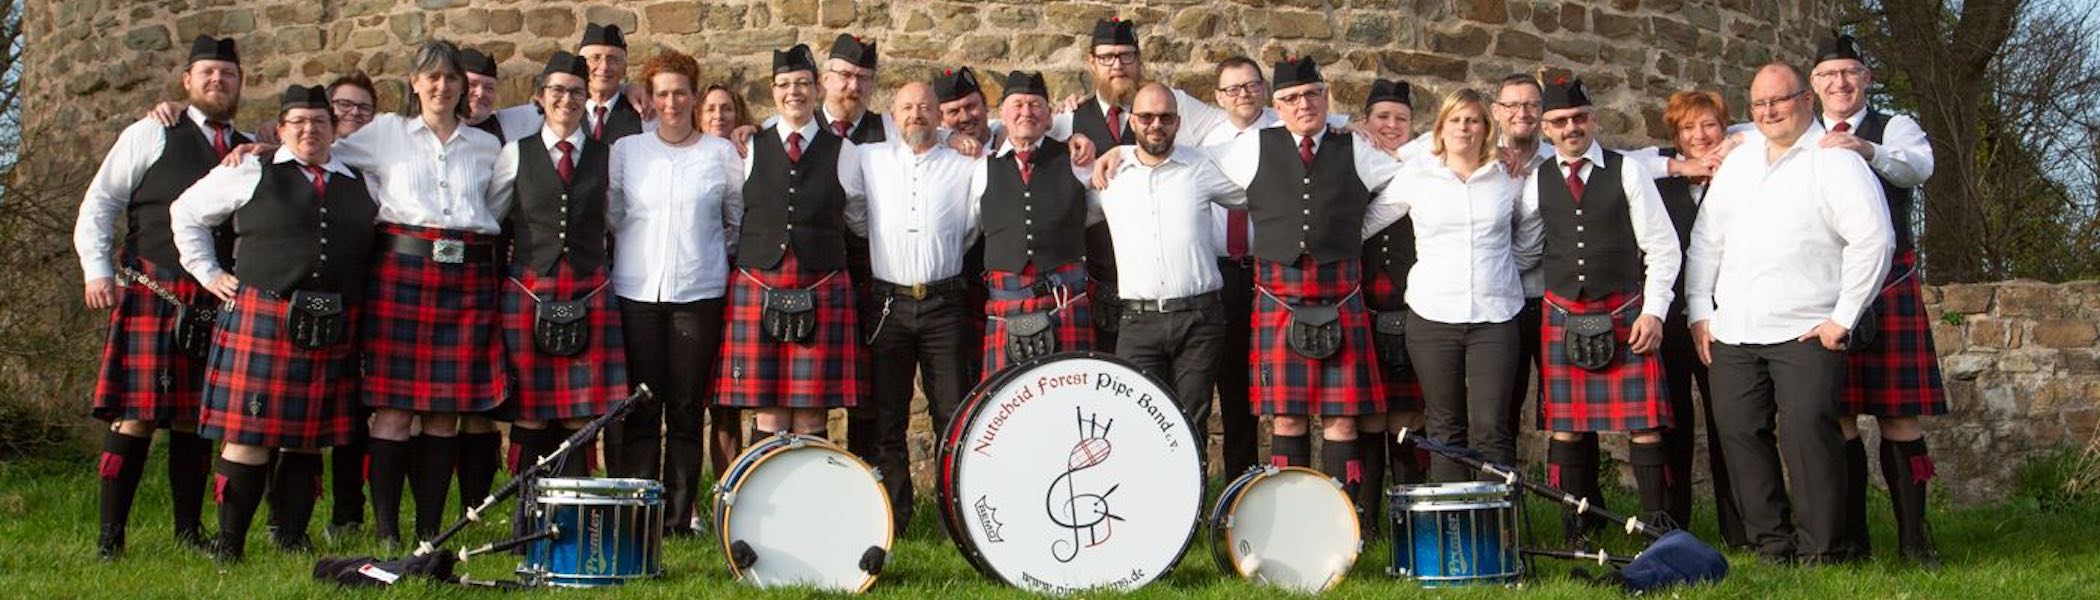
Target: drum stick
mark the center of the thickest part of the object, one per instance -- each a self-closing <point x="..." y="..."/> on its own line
<point x="1472" y="458"/>
<point x="539" y="467"/>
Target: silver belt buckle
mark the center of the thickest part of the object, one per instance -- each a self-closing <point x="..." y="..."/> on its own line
<point x="450" y="252"/>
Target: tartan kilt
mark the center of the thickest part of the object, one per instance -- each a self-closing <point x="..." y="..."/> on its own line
<point x="431" y="330"/>
<point x="1403" y="392"/>
<point x="143" y="376"/>
<point x="1629" y="395"/>
<point x="758" y="372"/>
<point x="1284" y="383"/>
<point x="1072" y="323"/>
<point x="544" y="387"/>
<point x="1900" y="375"/>
<point x="262" y="390"/>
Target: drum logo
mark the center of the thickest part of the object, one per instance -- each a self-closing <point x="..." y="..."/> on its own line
<point x="988" y="518"/>
<point x="1455" y="537"/>
<point x="595" y="532"/>
<point x="1087" y="515"/>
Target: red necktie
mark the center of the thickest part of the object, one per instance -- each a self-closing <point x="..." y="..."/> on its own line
<point x="566" y="166"/>
<point x="795" y="146"/>
<point x="1027" y="168"/>
<point x="1575" y="178"/>
<point x="320" y="180"/>
<point x="598" y="129"/>
<point x="1115" y="125"/>
<point x="219" y="141"/>
<point x="1236" y="233"/>
<point x="840" y="127"/>
<point x="1305" y="152"/>
<point x="1842" y="126"/>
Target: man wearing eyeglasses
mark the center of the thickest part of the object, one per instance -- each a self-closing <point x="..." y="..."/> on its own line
<point x="1895" y="373"/>
<point x="1243" y="92"/>
<point x="1610" y="268"/>
<point x="1790" y="245"/>
<point x="609" y="114"/>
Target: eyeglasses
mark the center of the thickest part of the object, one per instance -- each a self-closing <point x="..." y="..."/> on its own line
<point x="864" y="76"/>
<point x="1251" y="88"/>
<point x="1127" y="57"/>
<point x="308" y="122"/>
<point x="1305" y="96"/>
<point x="573" y="93"/>
<point x="1577" y="119"/>
<point x="1773" y="103"/>
<point x="1522" y="107"/>
<point x="1150" y="118"/>
<point x="1828" y="75"/>
<point x="347" y="106"/>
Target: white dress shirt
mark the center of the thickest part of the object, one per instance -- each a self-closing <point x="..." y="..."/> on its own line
<point x="504" y="182"/>
<point x="95" y="231"/>
<point x="1903" y="156"/>
<point x="1652" y="229"/>
<point x="981" y="178"/>
<point x="1159" y="217"/>
<point x="426" y="182"/>
<point x="1780" y="246"/>
<point x="1220" y="136"/>
<point x="921" y="216"/>
<point x="1472" y="236"/>
<point x="850" y="179"/>
<point x="1241" y="157"/>
<point x="674" y="212"/>
<point x="213" y="199"/>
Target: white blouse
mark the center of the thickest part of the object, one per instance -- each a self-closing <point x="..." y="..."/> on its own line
<point x="426" y="182"/>
<point x="675" y="213"/>
<point x="1471" y="239"/>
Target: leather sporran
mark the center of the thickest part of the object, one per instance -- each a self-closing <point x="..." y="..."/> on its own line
<point x="1315" y="331"/>
<point x="1029" y="335"/>
<point x="790" y="316"/>
<point x="1866" y="331"/>
<point x="561" y="328"/>
<point x="1588" y="340"/>
<point x="194" y="324"/>
<point x="316" y="320"/>
<point x="1389" y="337"/>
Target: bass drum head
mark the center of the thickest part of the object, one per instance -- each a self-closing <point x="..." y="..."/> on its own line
<point x="809" y="511"/>
<point x="1074" y="472"/>
<point x="1290" y="527"/>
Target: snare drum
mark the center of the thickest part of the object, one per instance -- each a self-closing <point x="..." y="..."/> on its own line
<point x="1069" y="473"/>
<point x="608" y="532"/>
<point x="1455" y="534"/>
<point x="806" y="512"/>
<point x="1290" y="527"/>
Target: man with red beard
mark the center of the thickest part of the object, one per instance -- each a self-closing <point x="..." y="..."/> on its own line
<point x="153" y="364"/>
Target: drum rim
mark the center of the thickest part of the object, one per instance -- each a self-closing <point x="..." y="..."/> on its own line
<point x="950" y="504"/>
<point x="1271" y="471"/>
<point x="889" y="525"/>
<point x="572" y="483"/>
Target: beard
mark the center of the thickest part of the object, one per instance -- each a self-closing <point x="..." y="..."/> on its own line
<point x="1159" y="148"/>
<point x="219" y="108"/>
<point x="917" y="136"/>
<point x="1119" y="91"/>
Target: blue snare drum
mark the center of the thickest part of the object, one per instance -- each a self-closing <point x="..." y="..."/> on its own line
<point x="1455" y="534"/>
<point x="610" y="531"/>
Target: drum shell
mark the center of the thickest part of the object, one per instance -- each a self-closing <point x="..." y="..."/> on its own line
<point x="733" y="485"/>
<point x="1455" y="535"/>
<point x="611" y="532"/>
<point x="1224" y="521"/>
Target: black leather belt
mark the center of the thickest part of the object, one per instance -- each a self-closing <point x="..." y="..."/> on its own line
<point x="1044" y="285"/>
<point x="919" y="291"/>
<point x="1244" y="262"/>
<point x="1196" y="302"/>
<point x="443" y="251"/>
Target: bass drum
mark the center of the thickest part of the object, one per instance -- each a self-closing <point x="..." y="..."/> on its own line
<point x="1290" y="527"/>
<point x="1069" y="473"/>
<point x="797" y="510"/>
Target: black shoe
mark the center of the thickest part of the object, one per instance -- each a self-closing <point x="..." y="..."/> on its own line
<point x="302" y="544"/>
<point x="1920" y="549"/>
<point x="110" y="544"/>
<point x="194" y="539"/>
<point x="337" y="533"/>
<point x="227" y="550"/>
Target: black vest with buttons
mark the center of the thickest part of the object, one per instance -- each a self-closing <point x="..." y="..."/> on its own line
<point x="794" y="204"/>
<point x="1040" y="222"/>
<point x="550" y="221"/>
<point x="1298" y="211"/>
<point x="1873" y="128"/>
<point x="1591" y="250"/>
<point x="1684" y="209"/>
<point x="620" y="121"/>
<point x="286" y="239"/>
<point x="185" y="158"/>
<point x="1391" y="253"/>
<point x="867" y="131"/>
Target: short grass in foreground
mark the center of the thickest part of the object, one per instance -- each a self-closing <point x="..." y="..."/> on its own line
<point x="47" y="529"/>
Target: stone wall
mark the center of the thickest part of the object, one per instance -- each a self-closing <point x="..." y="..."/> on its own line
<point x="2022" y="367"/>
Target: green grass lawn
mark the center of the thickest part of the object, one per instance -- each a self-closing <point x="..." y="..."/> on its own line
<point x="47" y="530"/>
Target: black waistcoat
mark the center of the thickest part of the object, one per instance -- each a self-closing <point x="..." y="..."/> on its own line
<point x="1873" y="128"/>
<point x="1684" y="210"/>
<point x="866" y="131"/>
<point x="494" y="127"/>
<point x="620" y="121"/>
<point x="550" y="221"/>
<point x="1391" y="252"/>
<point x="1591" y="248"/>
<point x="1088" y="120"/>
<point x="187" y="156"/>
<point x="794" y="204"/>
<point x="286" y="239"/>
<point x="1041" y="222"/>
<point x="1296" y="210"/>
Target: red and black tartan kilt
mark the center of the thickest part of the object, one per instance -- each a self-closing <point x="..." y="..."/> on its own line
<point x="758" y="372"/>
<point x="143" y="376"/>
<point x="262" y="390"/>
<point x="1402" y="390"/>
<point x="1629" y="395"/>
<point x="431" y="330"/>
<point x="544" y="387"/>
<point x="1285" y="383"/>
<point x="1073" y="321"/>
<point x="1900" y="375"/>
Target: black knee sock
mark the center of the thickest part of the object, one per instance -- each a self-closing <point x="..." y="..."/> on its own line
<point x="1340" y="459"/>
<point x="1908" y="469"/>
<point x="189" y="468"/>
<point x="1651" y="473"/>
<point x="240" y="491"/>
<point x="1856" y="540"/>
<point x="1370" y="497"/>
<point x="1290" y="450"/>
<point x="432" y="482"/>
<point x="1572" y="466"/>
<point x="1406" y="461"/>
<point x="346" y="480"/>
<point x="479" y="454"/>
<point x="122" y="464"/>
<point x="293" y="490"/>
<point x="390" y="459"/>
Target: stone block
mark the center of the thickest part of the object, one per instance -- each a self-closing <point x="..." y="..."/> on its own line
<point x="2064" y="334"/>
<point x="1993" y="333"/>
<point x="1573" y="17"/>
<point x="1618" y="27"/>
<point x="505" y="21"/>
<point x="1517" y="44"/>
<point x="2032" y="299"/>
<point x="1966" y="366"/>
<point x="1291" y="25"/>
<point x="1947" y="338"/>
<point x="673" y="17"/>
<point x="1674" y="35"/>
<point x="1966" y="298"/>
<point x="2082" y="423"/>
<point x="1444" y="67"/>
<point x="295" y="13"/>
<point x="1491" y="12"/>
<point x="1026" y="17"/>
<point x="406" y="27"/>
<point x="1074" y="17"/>
<point x="1580" y="50"/>
<point x="837" y="13"/>
<point x="2082" y="362"/>
<point x="2028" y="361"/>
<point x="1371" y="29"/>
<point x="797" y="12"/>
<point x="1466" y="40"/>
<point x="552" y="23"/>
<point x="1036" y="48"/>
<point x="151" y="38"/>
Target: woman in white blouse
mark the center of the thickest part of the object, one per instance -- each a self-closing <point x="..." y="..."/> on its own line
<point x="676" y="200"/>
<point x="1471" y="238"/>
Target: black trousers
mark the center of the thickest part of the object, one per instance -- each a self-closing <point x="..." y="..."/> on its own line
<point x="1236" y="421"/>
<point x="1181" y="349"/>
<point x="929" y="338"/>
<point x="1466" y="388"/>
<point x="672" y="347"/>
<point x="1528" y="363"/>
<point x="1761" y="391"/>
<point x="1682" y="373"/>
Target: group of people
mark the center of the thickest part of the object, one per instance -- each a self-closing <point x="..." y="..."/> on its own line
<point x="394" y="285"/>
